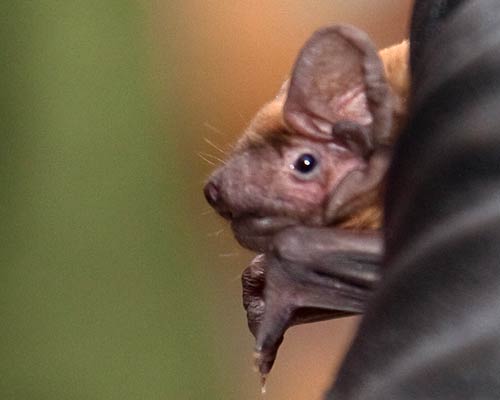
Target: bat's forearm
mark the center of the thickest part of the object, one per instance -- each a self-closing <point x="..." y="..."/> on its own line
<point x="353" y="256"/>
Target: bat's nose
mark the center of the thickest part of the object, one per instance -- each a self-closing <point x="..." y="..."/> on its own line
<point x="212" y="194"/>
<point x="214" y="197"/>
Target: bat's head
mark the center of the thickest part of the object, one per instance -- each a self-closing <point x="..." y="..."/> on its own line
<point x="323" y="125"/>
<point x="275" y="172"/>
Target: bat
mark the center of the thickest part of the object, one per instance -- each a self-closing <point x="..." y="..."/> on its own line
<point x="304" y="184"/>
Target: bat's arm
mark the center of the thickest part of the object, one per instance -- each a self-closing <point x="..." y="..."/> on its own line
<point x="350" y="256"/>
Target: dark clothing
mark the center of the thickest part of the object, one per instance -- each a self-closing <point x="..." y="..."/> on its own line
<point x="433" y="329"/>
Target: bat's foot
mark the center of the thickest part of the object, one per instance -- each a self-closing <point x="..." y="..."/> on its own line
<point x="253" y="282"/>
<point x="278" y="294"/>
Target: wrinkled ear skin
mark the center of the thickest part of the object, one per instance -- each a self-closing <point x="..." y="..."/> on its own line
<point x="338" y="91"/>
<point x="359" y="188"/>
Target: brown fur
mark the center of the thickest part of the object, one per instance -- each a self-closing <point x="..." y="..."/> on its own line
<point x="395" y="60"/>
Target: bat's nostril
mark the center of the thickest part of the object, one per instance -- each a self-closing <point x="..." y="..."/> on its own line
<point x="212" y="194"/>
<point x="215" y="199"/>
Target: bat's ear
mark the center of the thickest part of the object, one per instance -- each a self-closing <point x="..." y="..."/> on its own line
<point x="338" y="91"/>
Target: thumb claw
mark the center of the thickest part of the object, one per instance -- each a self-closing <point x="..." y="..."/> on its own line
<point x="253" y="282"/>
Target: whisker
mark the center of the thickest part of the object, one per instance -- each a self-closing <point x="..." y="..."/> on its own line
<point x="214" y="145"/>
<point x="213" y="128"/>
<point x="236" y="278"/>
<point x="211" y="156"/>
<point x="216" y="233"/>
<point x="227" y="255"/>
<point x="208" y="211"/>
<point x="241" y="116"/>
<point x="206" y="159"/>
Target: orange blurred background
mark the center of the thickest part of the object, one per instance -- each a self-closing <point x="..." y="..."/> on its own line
<point x="231" y="57"/>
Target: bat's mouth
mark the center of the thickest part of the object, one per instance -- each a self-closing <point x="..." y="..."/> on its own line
<point x="256" y="232"/>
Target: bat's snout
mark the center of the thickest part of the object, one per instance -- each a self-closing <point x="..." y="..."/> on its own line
<point x="215" y="199"/>
<point x="212" y="193"/>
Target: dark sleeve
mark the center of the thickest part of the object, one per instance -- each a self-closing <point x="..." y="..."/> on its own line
<point x="433" y="329"/>
<point x="426" y="22"/>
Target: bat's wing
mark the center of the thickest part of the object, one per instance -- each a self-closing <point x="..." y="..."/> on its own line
<point x="313" y="274"/>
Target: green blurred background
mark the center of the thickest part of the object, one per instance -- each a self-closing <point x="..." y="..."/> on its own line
<point x="116" y="279"/>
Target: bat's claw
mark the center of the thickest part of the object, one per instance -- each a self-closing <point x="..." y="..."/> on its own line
<point x="253" y="282"/>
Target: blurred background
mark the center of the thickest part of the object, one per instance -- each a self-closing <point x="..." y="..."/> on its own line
<point x="116" y="279"/>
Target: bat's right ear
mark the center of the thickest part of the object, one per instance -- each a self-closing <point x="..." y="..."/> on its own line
<point x="338" y="91"/>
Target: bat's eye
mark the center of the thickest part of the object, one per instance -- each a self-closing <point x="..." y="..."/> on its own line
<point x="305" y="164"/>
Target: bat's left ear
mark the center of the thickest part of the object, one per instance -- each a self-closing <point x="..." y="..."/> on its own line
<point x="338" y="91"/>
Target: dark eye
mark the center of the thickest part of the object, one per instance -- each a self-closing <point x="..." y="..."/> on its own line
<point x="305" y="164"/>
